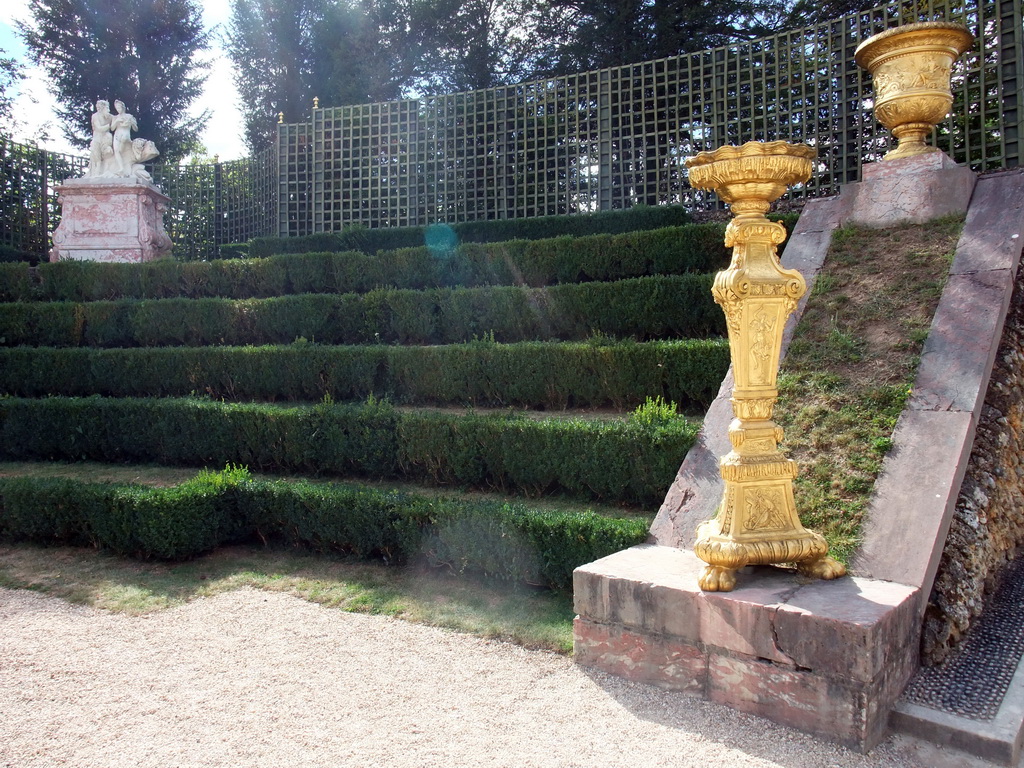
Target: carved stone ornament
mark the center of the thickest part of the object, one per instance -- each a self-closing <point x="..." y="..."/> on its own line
<point x="757" y="521"/>
<point x="113" y="153"/>
<point x="910" y="68"/>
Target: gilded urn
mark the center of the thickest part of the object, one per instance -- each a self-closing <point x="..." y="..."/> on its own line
<point x="910" y="68"/>
<point x="757" y="521"/>
<point x="751" y="177"/>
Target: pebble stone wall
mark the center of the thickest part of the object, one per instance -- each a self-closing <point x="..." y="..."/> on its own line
<point x="987" y="529"/>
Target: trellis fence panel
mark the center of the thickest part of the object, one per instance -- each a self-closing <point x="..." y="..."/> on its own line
<point x="29" y="211"/>
<point x="616" y="138"/>
<point x="212" y="204"/>
<point x="611" y="138"/>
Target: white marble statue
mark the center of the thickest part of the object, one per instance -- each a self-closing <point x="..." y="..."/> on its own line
<point x="101" y="149"/>
<point x="113" y="153"/>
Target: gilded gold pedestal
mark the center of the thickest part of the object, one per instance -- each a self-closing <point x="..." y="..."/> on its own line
<point x="757" y="521"/>
<point x="910" y="68"/>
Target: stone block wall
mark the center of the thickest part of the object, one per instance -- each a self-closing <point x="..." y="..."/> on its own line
<point x="826" y="657"/>
<point x="987" y="529"/>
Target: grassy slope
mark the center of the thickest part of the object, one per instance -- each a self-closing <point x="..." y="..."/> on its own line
<point x="851" y="365"/>
<point x="500" y="610"/>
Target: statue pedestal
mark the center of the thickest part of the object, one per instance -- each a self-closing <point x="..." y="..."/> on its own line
<point x="111" y="219"/>
<point x="913" y="189"/>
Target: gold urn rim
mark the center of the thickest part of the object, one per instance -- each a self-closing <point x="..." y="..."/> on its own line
<point x="752" y="176"/>
<point x="752" y="149"/>
<point x="953" y="36"/>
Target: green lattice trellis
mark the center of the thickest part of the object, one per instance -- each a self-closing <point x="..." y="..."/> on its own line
<point x="212" y="204"/>
<point x="615" y="138"/>
<point x="611" y="138"/>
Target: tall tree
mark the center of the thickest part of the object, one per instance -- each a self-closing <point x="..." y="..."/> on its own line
<point x="271" y="47"/>
<point x="803" y="13"/>
<point x="592" y="34"/>
<point x="376" y="48"/>
<point x="342" y="51"/>
<point x="10" y="75"/>
<point x="483" y="43"/>
<point x="142" y="52"/>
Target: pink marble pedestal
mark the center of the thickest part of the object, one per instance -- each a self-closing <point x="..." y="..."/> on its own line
<point x="110" y="219"/>
<point x="911" y="189"/>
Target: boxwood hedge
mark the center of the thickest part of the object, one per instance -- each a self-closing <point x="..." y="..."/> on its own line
<point x="492" y="231"/>
<point x="501" y="540"/>
<point x="669" y="251"/>
<point x="528" y="374"/>
<point x="628" y="461"/>
<point x="643" y="308"/>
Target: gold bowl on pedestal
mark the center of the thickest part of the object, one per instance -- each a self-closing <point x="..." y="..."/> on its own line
<point x="910" y="68"/>
<point x="757" y="521"/>
<point x="751" y="177"/>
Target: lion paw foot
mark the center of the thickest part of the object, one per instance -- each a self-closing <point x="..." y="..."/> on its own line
<point x="715" y="578"/>
<point x="824" y="568"/>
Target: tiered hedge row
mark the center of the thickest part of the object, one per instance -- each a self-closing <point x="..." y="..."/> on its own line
<point x="501" y="540"/>
<point x="11" y="254"/>
<point x="529" y="374"/>
<point x="642" y="308"/>
<point x="493" y="231"/>
<point x="476" y="321"/>
<point x="673" y="251"/>
<point x="628" y="462"/>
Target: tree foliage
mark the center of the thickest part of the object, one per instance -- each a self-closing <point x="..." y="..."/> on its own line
<point x="359" y="51"/>
<point x="272" y="52"/>
<point x="341" y="51"/>
<point x="10" y="76"/>
<point x="592" y="34"/>
<point x="805" y="12"/>
<point x="483" y="43"/>
<point x="142" y="52"/>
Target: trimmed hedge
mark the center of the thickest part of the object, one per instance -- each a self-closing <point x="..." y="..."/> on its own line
<point x="667" y="251"/>
<point x="618" y="461"/>
<point x="9" y="253"/>
<point x="642" y="308"/>
<point x="389" y="238"/>
<point x="528" y="374"/>
<point x="17" y="283"/>
<point x="507" y="541"/>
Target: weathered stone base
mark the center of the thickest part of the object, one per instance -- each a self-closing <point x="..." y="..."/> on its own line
<point x="829" y="658"/>
<point x="912" y="189"/>
<point x="110" y="220"/>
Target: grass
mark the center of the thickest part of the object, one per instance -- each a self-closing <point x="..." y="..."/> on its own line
<point x="532" y="618"/>
<point x="95" y="472"/>
<point x="511" y="612"/>
<point x="851" y="365"/>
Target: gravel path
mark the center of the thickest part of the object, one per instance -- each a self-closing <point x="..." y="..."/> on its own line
<point x="249" y="679"/>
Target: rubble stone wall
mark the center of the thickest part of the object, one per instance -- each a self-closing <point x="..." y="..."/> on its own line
<point x="987" y="529"/>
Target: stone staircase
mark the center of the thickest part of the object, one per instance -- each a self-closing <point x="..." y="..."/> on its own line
<point x="974" y="701"/>
<point x="835" y="664"/>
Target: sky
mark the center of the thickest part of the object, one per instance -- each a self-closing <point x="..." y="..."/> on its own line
<point x="35" y="104"/>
